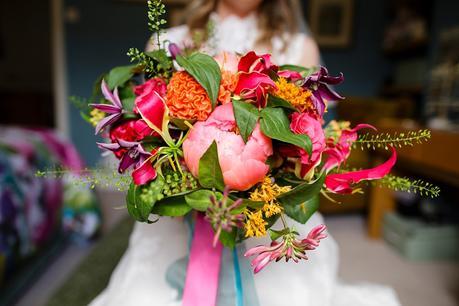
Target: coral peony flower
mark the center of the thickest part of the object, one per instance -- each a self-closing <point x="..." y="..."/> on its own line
<point x="227" y="61"/>
<point x="186" y="98"/>
<point x="243" y="164"/>
<point x="303" y="123"/>
<point x="149" y="101"/>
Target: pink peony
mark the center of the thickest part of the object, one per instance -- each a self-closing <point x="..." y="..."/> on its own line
<point x="243" y="164"/>
<point x="303" y="123"/>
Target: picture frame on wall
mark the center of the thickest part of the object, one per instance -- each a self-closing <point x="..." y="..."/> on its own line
<point x="331" y="22"/>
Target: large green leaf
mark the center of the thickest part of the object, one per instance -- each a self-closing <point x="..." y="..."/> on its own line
<point x="274" y="101"/>
<point x="303" y="200"/>
<point x="246" y="117"/>
<point x="172" y="206"/>
<point x="138" y="208"/>
<point x="274" y="123"/>
<point x="119" y="75"/>
<point x="210" y="173"/>
<point x="199" y="199"/>
<point x="205" y="70"/>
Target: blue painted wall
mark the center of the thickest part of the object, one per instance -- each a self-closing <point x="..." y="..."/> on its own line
<point x="98" y="41"/>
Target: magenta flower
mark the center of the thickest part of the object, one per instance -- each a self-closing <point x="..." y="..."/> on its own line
<point x="303" y="123"/>
<point x="254" y="86"/>
<point x="289" y="248"/>
<point x="243" y="164"/>
<point x="318" y="83"/>
<point x="251" y="62"/>
<point x="174" y="50"/>
<point x="343" y="182"/>
<point x="337" y="153"/>
<point x="115" y="109"/>
<point x="149" y="101"/>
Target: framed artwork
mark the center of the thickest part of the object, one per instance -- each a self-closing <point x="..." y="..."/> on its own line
<point x="331" y="22"/>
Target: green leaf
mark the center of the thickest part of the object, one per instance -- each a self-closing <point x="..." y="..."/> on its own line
<point x="274" y="101"/>
<point x="199" y="199"/>
<point x="275" y="124"/>
<point x="228" y="239"/>
<point x="205" y="70"/>
<point x="246" y="117"/>
<point x="172" y="206"/>
<point x="302" y="212"/>
<point x="137" y="207"/>
<point x="119" y="75"/>
<point x="127" y="97"/>
<point x="210" y="173"/>
<point x="303" y="70"/>
<point x="277" y="234"/>
<point x="302" y="201"/>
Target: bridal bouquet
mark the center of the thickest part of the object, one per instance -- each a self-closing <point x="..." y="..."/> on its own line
<point x="236" y="139"/>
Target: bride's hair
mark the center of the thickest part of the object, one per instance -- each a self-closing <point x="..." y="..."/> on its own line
<point x="275" y="18"/>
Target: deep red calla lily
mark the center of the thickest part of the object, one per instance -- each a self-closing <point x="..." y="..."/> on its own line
<point x="342" y="182"/>
<point x="254" y="86"/>
<point x="251" y="62"/>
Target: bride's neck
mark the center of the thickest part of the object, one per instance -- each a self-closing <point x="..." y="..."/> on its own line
<point x="224" y="10"/>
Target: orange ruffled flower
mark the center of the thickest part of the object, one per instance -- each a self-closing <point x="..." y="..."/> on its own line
<point x="227" y="86"/>
<point x="186" y="98"/>
<point x="297" y="96"/>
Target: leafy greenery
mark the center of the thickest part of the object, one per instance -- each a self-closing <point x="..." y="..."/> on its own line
<point x="302" y="201"/>
<point x="412" y="186"/>
<point x="119" y="75"/>
<point x="141" y="199"/>
<point x="175" y="206"/>
<point x="275" y="124"/>
<point x="210" y="173"/>
<point x="199" y="200"/>
<point x="154" y="63"/>
<point x="228" y="239"/>
<point x="205" y="70"/>
<point x="156" y="9"/>
<point x="386" y="140"/>
<point x="274" y="101"/>
<point x="246" y="118"/>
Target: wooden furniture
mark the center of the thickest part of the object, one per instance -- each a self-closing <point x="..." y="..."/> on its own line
<point x="436" y="160"/>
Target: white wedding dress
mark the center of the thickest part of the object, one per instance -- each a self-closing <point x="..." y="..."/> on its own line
<point x="139" y="279"/>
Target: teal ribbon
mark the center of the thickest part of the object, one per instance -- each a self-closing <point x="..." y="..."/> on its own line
<point x="237" y="280"/>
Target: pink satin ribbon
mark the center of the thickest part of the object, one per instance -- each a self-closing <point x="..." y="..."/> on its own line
<point x="201" y="284"/>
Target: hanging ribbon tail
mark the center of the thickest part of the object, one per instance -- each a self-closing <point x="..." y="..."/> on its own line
<point x="201" y="284"/>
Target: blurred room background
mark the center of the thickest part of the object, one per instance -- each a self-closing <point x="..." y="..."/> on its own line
<point x="401" y="65"/>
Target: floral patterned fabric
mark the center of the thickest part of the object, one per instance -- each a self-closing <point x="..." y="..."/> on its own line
<point x="31" y="206"/>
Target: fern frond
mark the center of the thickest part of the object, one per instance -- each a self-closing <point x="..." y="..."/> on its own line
<point x="412" y="186"/>
<point x="397" y="140"/>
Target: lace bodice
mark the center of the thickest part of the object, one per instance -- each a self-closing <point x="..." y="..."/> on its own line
<point x="235" y="34"/>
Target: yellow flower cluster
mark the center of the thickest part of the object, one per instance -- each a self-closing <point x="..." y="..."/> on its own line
<point x="297" y="96"/>
<point x="254" y="225"/>
<point x="96" y="116"/>
<point x="267" y="192"/>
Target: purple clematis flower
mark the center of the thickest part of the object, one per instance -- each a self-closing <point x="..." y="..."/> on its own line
<point x="318" y="83"/>
<point x="115" y="109"/>
<point x="135" y="153"/>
